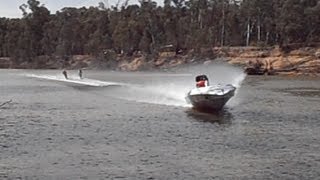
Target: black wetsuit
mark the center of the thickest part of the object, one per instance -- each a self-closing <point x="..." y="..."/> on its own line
<point x="80" y="74"/>
<point x="65" y="74"/>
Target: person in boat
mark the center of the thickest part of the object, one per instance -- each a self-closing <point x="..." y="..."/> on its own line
<point x="80" y="73"/>
<point x="64" y="72"/>
<point x="202" y="81"/>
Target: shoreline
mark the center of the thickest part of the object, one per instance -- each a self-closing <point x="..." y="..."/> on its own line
<point x="268" y="60"/>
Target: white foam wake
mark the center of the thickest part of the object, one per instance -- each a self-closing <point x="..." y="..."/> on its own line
<point x="75" y="80"/>
<point x="165" y="94"/>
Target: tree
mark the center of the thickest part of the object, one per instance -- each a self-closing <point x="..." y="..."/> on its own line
<point x="290" y="21"/>
<point x="186" y="25"/>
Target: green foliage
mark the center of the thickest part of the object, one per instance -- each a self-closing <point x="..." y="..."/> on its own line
<point x="146" y="27"/>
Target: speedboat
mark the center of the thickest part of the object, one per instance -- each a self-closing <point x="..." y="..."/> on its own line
<point x="210" y="97"/>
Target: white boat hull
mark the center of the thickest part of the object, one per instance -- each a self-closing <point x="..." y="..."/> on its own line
<point x="210" y="98"/>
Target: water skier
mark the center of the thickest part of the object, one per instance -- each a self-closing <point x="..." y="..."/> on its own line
<point x="64" y="72"/>
<point x="80" y="73"/>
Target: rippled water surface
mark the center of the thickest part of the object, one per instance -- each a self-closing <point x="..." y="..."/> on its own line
<point x="138" y="126"/>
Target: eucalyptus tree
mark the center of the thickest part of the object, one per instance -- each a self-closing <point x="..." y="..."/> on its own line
<point x="94" y="33"/>
<point x="12" y="38"/>
<point x="3" y="30"/>
<point x="51" y="34"/>
<point x="121" y="35"/>
<point x="257" y="19"/>
<point x="149" y="15"/>
<point x="290" y="24"/>
<point x="312" y="20"/>
<point x="146" y="27"/>
<point x="33" y="29"/>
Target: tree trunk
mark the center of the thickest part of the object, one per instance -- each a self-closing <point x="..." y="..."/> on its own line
<point x="248" y="33"/>
<point x="259" y="30"/>
<point x="223" y="25"/>
<point x="267" y="37"/>
<point x="200" y="19"/>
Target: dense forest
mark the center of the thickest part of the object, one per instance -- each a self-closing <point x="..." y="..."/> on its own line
<point x="147" y="28"/>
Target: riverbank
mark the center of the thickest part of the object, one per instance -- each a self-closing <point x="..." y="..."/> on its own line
<point x="271" y="60"/>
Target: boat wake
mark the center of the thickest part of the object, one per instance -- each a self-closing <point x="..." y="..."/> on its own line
<point x="75" y="80"/>
<point x="171" y="90"/>
<point x="163" y="94"/>
<point x="160" y="88"/>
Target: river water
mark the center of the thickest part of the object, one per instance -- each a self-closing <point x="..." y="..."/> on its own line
<point x="137" y="126"/>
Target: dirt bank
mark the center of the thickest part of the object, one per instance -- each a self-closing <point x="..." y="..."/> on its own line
<point x="297" y="61"/>
<point x="272" y="60"/>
